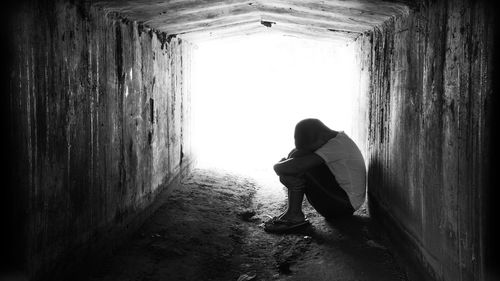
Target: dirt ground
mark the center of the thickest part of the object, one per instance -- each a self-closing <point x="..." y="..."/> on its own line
<point x="210" y="228"/>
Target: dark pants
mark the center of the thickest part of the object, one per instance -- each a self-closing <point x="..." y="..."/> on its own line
<point x="322" y="190"/>
<point x="325" y="194"/>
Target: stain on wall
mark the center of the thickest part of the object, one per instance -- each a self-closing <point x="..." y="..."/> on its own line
<point x="428" y="116"/>
<point x="100" y="124"/>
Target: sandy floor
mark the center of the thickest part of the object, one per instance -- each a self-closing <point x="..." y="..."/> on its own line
<point x="210" y="228"/>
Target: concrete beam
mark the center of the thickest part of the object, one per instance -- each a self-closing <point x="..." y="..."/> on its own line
<point x="314" y="32"/>
<point x="362" y="8"/>
<point x="237" y="29"/>
<point x="241" y="30"/>
<point x="211" y="25"/>
<point x="302" y="21"/>
<point x="184" y="16"/>
<point x="174" y="23"/>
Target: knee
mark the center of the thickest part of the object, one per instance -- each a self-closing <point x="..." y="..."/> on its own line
<point x="292" y="181"/>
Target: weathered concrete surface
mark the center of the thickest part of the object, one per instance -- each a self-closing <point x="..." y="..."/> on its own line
<point x="428" y="114"/>
<point x="336" y="20"/>
<point x="360" y="100"/>
<point x="100" y="126"/>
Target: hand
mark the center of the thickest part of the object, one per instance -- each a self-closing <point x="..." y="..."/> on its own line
<point x="277" y="165"/>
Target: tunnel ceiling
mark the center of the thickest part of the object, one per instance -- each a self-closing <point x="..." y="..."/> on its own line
<point x="205" y="19"/>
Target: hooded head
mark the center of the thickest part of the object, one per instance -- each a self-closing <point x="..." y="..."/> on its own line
<point x="310" y="134"/>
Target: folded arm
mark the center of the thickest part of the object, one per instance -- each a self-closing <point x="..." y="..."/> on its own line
<point x="297" y="165"/>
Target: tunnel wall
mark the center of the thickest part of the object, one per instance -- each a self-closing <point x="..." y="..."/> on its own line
<point x="99" y="113"/>
<point x="428" y="115"/>
<point x="360" y="101"/>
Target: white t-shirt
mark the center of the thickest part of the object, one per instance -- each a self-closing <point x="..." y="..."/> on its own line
<point x="345" y="161"/>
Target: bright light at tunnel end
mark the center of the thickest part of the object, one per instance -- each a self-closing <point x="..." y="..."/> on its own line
<point x="249" y="92"/>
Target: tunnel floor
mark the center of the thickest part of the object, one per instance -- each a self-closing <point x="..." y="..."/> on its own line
<point x="210" y="228"/>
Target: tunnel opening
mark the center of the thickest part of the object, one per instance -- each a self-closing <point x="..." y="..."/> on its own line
<point x="248" y="92"/>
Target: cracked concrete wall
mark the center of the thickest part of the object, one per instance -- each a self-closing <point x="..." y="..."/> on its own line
<point x="100" y="126"/>
<point x="429" y="119"/>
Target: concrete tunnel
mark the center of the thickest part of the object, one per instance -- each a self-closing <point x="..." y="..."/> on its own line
<point x="97" y="110"/>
